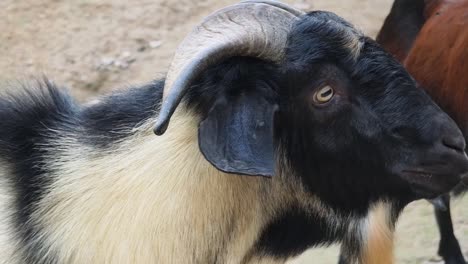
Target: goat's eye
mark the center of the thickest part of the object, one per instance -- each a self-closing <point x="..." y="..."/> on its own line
<point x="324" y="95"/>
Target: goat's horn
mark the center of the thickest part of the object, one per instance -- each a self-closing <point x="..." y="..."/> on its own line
<point x="251" y="28"/>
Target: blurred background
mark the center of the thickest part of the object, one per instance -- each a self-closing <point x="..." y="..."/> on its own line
<point x="94" y="46"/>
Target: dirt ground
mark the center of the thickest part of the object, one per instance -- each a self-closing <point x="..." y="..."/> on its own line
<point x="93" y="46"/>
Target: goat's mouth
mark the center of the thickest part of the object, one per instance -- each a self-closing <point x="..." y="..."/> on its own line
<point x="430" y="183"/>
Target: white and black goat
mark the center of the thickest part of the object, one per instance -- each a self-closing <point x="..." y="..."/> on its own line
<point x="291" y="131"/>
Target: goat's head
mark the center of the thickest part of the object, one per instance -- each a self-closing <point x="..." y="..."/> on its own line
<point x="336" y="109"/>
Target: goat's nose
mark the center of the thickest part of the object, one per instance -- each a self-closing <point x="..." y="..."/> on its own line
<point x="454" y="141"/>
<point x="451" y="136"/>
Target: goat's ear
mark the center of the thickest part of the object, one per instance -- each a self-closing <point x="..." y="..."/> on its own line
<point x="237" y="136"/>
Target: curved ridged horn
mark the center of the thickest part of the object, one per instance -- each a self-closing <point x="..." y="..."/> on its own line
<point x="251" y="28"/>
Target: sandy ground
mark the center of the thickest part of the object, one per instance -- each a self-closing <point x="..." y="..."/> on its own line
<point x="92" y="46"/>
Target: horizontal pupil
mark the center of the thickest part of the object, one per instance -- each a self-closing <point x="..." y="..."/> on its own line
<point x="327" y="93"/>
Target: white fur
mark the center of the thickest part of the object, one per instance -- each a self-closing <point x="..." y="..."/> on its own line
<point x="7" y="237"/>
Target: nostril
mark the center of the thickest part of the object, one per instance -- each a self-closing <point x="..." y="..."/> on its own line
<point x="404" y="132"/>
<point x="454" y="142"/>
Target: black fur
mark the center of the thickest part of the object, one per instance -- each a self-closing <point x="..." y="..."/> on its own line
<point x="294" y="231"/>
<point x="449" y="248"/>
<point x="378" y="117"/>
<point x="114" y="117"/>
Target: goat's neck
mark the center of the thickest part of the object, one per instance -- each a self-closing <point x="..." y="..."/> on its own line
<point x="152" y="199"/>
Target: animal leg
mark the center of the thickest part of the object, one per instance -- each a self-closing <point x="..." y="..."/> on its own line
<point x="449" y="249"/>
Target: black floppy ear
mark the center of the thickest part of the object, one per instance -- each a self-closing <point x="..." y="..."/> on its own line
<point x="237" y="136"/>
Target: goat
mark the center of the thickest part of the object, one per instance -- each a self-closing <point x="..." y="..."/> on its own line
<point x="431" y="38"/>
<point x="289" y="130"/>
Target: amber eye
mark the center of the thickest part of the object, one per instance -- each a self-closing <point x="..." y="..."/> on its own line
<point x="324" y="95"/>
